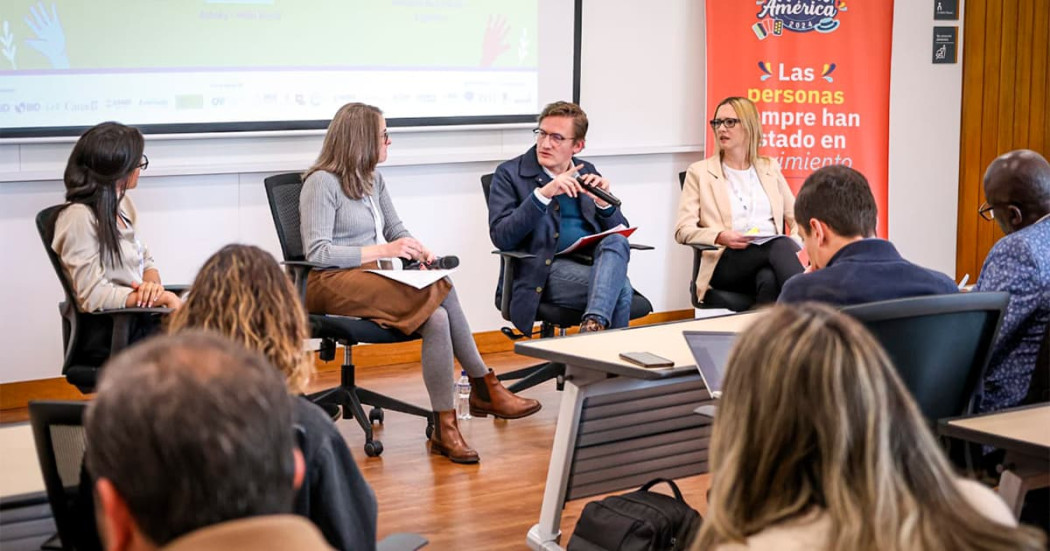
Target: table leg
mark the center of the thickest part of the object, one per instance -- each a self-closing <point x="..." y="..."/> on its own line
<point x="546" y="534"/>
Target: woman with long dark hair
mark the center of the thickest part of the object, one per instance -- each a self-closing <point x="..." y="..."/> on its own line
<point x="107" y="264"/>
<point x="348" y="220"/>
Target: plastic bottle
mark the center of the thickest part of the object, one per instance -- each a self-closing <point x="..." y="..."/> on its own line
<point x="463" y="396"/>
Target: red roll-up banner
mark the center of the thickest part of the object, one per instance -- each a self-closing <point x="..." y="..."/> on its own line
<point x="819" y="73"/>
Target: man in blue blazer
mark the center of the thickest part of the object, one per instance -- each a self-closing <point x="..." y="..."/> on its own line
<point x="537" y="205"/>
<point x="1017" y="186"/>
<point x="836" y="216"/>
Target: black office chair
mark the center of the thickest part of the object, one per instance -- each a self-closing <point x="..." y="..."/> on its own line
<point x="553" y="319"/>
<point x="82" y="330"/>
<point x="58" y="434"/>
<point x="940" y="345"/>
<point x="713" y="298"/>
<point x="282" y="190"/>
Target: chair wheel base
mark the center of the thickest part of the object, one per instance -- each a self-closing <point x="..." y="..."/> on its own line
<point x="376" y="415"/>
<point x="373" y="448"/>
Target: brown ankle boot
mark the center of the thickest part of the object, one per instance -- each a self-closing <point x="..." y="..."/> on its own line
<point x="487" y="395"/>
<point x="446" y="439"/>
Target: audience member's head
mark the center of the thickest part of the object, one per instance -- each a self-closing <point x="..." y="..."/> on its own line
<point x="188" y="431"/>
<point x="834" y="208"/>
<point x="1017" y="189"/>
<point x="242" y="293"/>
<point x="814" y="417"/>
<point x="353" y="145"/>
<point x="745" y="111"/>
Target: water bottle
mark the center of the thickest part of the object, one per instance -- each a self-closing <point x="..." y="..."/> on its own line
<point x="463" y="396"/>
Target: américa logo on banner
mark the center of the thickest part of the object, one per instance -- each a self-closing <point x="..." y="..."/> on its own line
<point x="800" y="16"/>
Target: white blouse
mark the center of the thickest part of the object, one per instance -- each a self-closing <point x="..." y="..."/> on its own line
<point x="750" y="204"/>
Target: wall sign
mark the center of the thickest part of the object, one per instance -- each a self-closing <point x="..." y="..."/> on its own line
<point x="945" y="40"/>
<point x="946" y="10"/>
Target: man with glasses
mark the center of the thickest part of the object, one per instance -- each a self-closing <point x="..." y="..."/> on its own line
<point x="538" y="205"/>
<point x="1017" y="186"/>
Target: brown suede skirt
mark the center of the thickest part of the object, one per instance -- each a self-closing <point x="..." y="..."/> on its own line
<point x="359" y="293"/>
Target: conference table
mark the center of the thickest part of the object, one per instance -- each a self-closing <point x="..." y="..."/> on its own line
<point x="1024" y="433"/>
<point x="621" y="425"/>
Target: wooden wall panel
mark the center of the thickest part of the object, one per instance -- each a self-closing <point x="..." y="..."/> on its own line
<point x="1006" y="81"/>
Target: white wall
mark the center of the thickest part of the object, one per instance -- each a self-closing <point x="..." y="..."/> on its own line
<point x="925" y="122"/>
<point x="642" y="85"/>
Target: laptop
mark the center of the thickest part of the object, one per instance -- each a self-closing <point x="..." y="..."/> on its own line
<point x="711" y="351"/>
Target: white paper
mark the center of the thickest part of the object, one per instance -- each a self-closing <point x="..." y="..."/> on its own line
<point x="414" y="278"/>
<point x="762" y="239"/>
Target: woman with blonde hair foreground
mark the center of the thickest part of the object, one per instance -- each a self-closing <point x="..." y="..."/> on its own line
<point x="818" y="445"/>
<point x="242" y="293"/>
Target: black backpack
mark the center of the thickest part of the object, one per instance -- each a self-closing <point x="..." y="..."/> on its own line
<point x="636" y="521"/>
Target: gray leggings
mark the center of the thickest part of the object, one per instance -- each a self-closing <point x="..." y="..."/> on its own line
<point x="447" y="334"/>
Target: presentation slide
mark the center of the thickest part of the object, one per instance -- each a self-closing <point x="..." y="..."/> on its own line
<point x="74" y="63"/>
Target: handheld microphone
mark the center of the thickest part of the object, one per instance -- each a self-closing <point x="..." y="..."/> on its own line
<point x="600" y="193"/>
<point x="439" y="263"/>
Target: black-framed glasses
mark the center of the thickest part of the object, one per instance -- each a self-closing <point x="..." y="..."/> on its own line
<point x="145" y="162"/>
<point x="558" y="139"/>
<point x="730" y="123"/>
<point x="986" y="211"/>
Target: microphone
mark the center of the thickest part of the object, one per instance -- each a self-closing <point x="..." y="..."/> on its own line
<point x="600" y="193"/>
<point x="439" y="263"/>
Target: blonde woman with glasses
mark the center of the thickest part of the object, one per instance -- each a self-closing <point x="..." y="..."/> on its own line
<point x="736" y="199"/>
<point x="818" y="445"/>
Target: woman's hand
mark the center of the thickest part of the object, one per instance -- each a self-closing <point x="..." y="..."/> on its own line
<point x="733" y="239"/>
<point x="409" y="248"/>
<point x="168" y="299"/>
<point x="147" y="293"/>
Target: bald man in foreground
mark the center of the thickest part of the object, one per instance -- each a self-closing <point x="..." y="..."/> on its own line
<point x="1017" y="188"/>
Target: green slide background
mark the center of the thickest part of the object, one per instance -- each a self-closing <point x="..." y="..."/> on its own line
<point x="121" y="34"/>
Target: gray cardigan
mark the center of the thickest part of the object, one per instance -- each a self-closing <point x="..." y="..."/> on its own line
<point x="335" y="227"/>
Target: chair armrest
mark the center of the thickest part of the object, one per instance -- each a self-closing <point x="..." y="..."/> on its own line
<point x="639" y="247"/>
<point x="509" y="269"/>
<point x="402" y="541"/>
<point x="122" y="319"/>
<point x="518" y="255"/>
<point x="299" y="270"/>
<point x="699" y="247"/>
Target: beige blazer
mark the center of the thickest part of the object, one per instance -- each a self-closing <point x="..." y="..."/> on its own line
<point x="811" y="531"/>
<point x="704" y="209"/>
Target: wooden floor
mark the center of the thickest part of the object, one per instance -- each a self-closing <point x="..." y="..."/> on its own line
<point x="488" y="506"/>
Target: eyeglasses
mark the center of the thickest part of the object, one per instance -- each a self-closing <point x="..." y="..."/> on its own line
<point x="558" y="139"/>
<point x="145" y="162"/>
<point x="987" y="211"/>
<point x="730" y="123"/>
<point x="386" y="136"/>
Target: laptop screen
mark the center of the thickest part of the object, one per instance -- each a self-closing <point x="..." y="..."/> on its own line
<point x="711" y="351"/>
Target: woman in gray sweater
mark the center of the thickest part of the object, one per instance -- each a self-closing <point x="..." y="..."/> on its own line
<point x="349" y="221"/>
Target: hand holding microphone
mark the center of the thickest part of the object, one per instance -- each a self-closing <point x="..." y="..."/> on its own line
<point x="598" y="192"/>
<point x="439" y="263"/>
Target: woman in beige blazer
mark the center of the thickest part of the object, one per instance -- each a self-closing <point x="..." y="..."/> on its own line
<point x="818" y="445"/>
<point x="734" y="199"/>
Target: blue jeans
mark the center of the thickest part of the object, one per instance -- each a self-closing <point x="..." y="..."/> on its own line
<point x="601" y="290"/>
